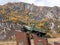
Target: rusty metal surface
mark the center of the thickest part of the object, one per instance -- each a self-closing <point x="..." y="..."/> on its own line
<point x="55" y="43"/>
<point x="39" y="40"/>
<point x="21" y="36"/>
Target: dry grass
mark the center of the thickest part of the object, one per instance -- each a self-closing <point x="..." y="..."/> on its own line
<point x="52" y="40"/>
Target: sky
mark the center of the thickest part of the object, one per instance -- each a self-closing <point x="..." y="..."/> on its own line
<point x="35" y="2"/>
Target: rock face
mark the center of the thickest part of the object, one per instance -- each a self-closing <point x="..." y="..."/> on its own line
<point x="33" y="10"/>
<point x="13" y="11"/>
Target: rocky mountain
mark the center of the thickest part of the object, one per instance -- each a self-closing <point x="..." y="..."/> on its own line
<point x="13" y="15"/>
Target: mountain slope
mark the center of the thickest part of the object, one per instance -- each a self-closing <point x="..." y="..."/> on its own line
<point x="45" y="19"/>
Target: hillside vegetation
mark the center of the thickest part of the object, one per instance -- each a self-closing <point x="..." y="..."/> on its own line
<point x="45" y="19"/>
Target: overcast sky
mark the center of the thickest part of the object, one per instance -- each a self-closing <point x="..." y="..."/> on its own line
<point x="36" y="2"/>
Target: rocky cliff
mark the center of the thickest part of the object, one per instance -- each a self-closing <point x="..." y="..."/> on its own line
<point x="44" y="18"/>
